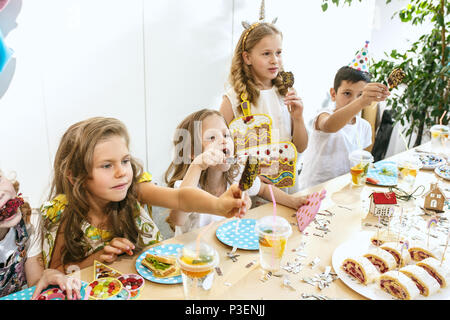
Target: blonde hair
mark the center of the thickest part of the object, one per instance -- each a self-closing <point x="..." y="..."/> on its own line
<point x="178" y="171"/>
<point x="241" y="77"/>
<point x="74" y="159"/>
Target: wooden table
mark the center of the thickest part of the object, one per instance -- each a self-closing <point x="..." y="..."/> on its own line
<point x="239" y="282"/>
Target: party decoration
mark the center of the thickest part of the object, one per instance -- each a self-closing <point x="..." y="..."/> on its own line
<point x="307" y="213"/>
<point x="361" y="60"/>
<point x="382" y="203"/>
<point x="249" y="174"/>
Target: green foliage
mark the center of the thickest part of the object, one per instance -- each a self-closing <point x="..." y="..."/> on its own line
<point x="426" y="64"/>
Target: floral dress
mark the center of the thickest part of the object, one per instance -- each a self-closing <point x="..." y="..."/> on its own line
<point x="12" y="275"/>
<point x="96" y="238"/>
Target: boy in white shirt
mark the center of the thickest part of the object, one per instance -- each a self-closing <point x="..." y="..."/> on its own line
<point x="336" y="133"/>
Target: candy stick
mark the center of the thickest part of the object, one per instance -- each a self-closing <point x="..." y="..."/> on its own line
<point x="445" y="249"/>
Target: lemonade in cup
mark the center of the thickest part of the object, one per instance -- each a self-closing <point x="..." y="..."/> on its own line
<point x="273" y="232"/>
<point x="439" y="137"/>
<point x="407" y="172"/>
<point x="360" y="161"/>
<point x="197" y="261"/>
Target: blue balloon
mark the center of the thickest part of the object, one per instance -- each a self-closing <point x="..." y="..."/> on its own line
<point x="5" y="53"/>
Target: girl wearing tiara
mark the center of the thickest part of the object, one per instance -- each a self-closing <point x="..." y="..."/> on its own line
<point x="255" y="77"/>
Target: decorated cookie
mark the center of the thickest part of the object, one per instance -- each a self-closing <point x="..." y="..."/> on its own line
<point x="396" y="77"/>
<point x="249" y="174"/>
<point x="288" y="78"/>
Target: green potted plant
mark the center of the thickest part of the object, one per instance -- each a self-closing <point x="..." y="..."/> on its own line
<point x="426" y="63"/>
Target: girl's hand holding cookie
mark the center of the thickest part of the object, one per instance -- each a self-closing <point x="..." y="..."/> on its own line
<point x="295" y="104"/>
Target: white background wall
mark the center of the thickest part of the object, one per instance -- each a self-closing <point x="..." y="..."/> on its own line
<point x="150" y="63"/>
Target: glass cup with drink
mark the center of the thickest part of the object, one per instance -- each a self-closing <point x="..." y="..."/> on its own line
<point x="273" y="232"/>
<point x="360" y="161"/>
<point x="407" y="172"/>
<point x="197" y="261"/>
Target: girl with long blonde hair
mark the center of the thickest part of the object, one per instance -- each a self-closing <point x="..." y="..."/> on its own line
<point x="255" y="77"/>
<point x="97" y="196"/>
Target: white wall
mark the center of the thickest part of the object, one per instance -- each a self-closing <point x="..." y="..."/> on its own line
<point x="151" y="63"/>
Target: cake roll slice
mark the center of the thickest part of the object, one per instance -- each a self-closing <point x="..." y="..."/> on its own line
<point x="401" y="257"/>
<point x="361" y="269"/>
<point x="434" y="269"/>
<point x="399" y="285"/>
<point x="426" y="284"/>
<point x="381" y="259"/>
<point x="384" y="236"/>
<point x="418" y="252"/>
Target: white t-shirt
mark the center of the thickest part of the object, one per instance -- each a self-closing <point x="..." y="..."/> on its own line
<point x="326" y="156"/>
<point x="270" y="102"/>
<point x="197" y="220"/>
<point x="33" y="247"/>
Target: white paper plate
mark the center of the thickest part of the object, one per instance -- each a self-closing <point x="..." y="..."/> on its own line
<point x="443" y="171"/>
<point x="360" y="244"/>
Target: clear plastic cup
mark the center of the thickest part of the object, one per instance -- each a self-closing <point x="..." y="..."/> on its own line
<point x="407" y="172"/>
<point x="360" y="161"/>
<point x="439" y="138"/>
<point x="197" y="262"/>
<point x="273" y="232"/>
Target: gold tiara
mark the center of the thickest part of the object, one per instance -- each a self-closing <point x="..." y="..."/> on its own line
<point x="249" y="28"/>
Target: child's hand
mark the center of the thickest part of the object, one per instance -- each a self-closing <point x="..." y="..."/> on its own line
<point x="374" y="92"/>
<point x="116" y="247"/>
<point x="231" y="203"/>
<point x="210" y="158"/>
<point x="295" y="104"/>
<point x="298" y="201"/>
<point x="71" y="285"/>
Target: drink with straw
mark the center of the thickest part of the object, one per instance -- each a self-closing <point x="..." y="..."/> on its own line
<point x="439" y="138"/>
<point x="273" y="232"/>
<point x="360" y="161"/>
<point x="407" y="172"/>
<point x="197" y="261"/>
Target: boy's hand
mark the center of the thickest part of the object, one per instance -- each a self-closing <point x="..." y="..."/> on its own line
<point x="71" y="285"/>
<point x="210" y="158"/>
<point x="374" y="92"/>
<point x="116" y="247"/>
<point x="231" y="204"/>
<point x="295" y="104"/>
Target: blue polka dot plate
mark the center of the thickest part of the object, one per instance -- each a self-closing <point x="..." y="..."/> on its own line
<point x="245" y="237"/>
<point x="166" y="250"/>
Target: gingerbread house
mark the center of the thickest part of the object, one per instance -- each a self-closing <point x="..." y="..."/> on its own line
<point x="382" y="204"/>
<point x="434" y="199"/>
